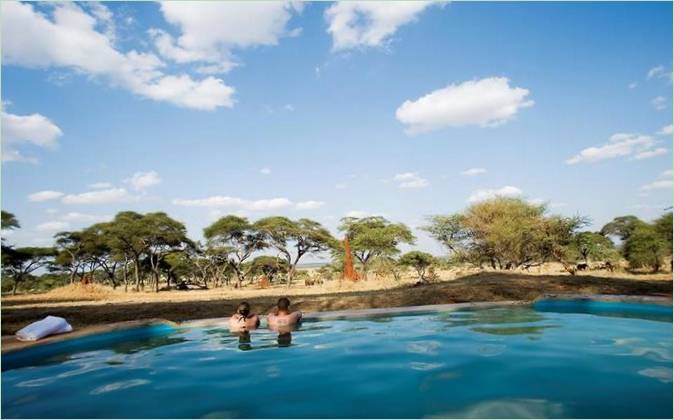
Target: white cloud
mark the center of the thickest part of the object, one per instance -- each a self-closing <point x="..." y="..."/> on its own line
<point x="666" y="130"/>
<point x="340" y="186"/>
<point x="210" y="31"/>
<point x="659" y="103"/>
<point x="100" y="185"/>
<point x="657" y="185"/>
<point x="265" y="171"/>
<point x="52" y="226"/>
<point x="620" y="144"/>
<point x="235" y="202"/>
<point x="486" y="194"/>
<point x="359" y="214"/>
<point x="410" y="180"/>
<point x="113" y="195"/>
<point x="70" y="39"/>
<point x="32" y="129"/>
<point x="659" y="72"/>
<point x="358" y="24"/>
<point x="651" y="153"/>
<point x="666" y="174"/>
<point x="473" y="171"/>
<point x="44" y="196"/>
<point x="485" y="102"/>
<point x="75" y="217"/>
<point x="536" y="201"/>
<point x="309" y="205"/>
<point x="289" y="107"/>
<point x="143" y="180"/>
<point x="632" y="85"/>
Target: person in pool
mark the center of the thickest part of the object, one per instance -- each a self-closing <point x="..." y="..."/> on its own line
<point x="281" y="317"/>
<point x="243" y="319"/>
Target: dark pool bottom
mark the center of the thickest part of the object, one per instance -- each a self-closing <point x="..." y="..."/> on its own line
<point x="553" y="359"/>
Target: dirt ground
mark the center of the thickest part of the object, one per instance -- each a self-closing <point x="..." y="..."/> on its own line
<point x="94" y="307"/>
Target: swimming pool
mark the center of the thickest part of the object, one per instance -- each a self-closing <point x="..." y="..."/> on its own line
<point x="552" y="359"/>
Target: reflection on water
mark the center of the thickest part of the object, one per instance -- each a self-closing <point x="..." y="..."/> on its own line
<point x="528" y="330"/>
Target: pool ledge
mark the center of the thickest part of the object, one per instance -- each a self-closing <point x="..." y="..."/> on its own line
<point x="11" y="344"/>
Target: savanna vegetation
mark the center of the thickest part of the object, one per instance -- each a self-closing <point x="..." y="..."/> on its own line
<point x="152" y="251"/>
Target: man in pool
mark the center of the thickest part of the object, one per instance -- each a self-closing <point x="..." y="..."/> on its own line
<point x="281" y="317"/>
<point x="243" y="320"/>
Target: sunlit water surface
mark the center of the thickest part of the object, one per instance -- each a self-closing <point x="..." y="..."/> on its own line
<point x="557" y="360"/>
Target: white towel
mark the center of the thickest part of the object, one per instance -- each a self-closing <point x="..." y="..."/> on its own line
<point x="43" y="328"/>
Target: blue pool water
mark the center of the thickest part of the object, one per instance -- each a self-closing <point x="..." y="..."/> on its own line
<point x="552" y="359"/>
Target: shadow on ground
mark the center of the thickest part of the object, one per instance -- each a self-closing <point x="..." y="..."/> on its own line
<point x="473" y="288"/>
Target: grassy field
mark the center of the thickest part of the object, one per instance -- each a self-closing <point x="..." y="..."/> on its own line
<point x="85" y="305"/>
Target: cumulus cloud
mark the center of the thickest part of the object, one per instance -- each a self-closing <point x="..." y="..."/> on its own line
<point x="410" y="180"/>
<point x="619" y="145"/>
<point x="143" y="180"/>
<point x="473" y="171"/>
<point x="309" y="205"/>
<point x="265" y="171"/>
<point x="236" y="202"/>
<point x="666" y="130"/>
<point x="44" y="196"/>
<point x="71" y="39"/>
<point x="659" y="103"/>
<point x="358" y="24"/>
<point x="210" y="31"/>
<point x="19" y="130"/>
<point x="485" y="102"/>
<point x="658" y="185"/>
<point x="112" y="195"/>
<point x="486" y="194"/>
<point x="52" y="226"/>
<point x="632" y="85"/>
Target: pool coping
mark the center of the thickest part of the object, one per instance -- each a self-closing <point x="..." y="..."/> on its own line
<point x="11" y="344"/>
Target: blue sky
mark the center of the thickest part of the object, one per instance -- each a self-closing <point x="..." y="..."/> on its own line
<point x="323" y="110"/>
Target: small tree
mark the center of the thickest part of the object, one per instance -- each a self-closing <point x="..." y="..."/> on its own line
<point x="645" y="247"/>
<point x="418" y="260"/>
<point x="19" y="263"/>
<point x="595" y="246"/>
<point x="269" y="266"/>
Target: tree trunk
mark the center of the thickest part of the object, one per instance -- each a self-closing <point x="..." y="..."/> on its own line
<point x="136" y="266"/>
<point x="16" y="283"/>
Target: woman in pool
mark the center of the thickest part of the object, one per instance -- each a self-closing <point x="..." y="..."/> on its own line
<point x="281" y="317"/>
<point x="243" y="320"/>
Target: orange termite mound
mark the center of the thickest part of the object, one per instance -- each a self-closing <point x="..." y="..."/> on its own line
<point x="349" y="272"/>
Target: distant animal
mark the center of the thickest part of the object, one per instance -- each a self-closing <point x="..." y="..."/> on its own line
<point x="582" y="267"/>
<point x="608" y="265"/>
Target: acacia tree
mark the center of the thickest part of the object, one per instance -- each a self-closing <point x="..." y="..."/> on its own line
<point x="294" y="239"/>
<point x="239" y="238"/>
<point x="418" y="260"/>
<point x="8" y="222"/>
<point x="595" y="246"/>
<point x="449" y="230"/>
<point x="374" y="236"/>
<point x="18" y="263"/>
<point x="269" y="266"/>
<point x="70" y="249"/>
<point x="125" y="234"/>
<point x="161" y="235"/>
<point x="643" y="244"/>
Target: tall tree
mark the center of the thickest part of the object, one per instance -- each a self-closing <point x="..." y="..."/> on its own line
<point x="126" y="234"/>
<point x="645" y="247"/>
<point x="374" y="236"/>
<point x="294" y="239"/>
<point x="239" y="237"/>
<point x="9" y="221"/>
<point x="162" y="235"/>
<point x="71" y="255"/>
<point x="595" y="246"/>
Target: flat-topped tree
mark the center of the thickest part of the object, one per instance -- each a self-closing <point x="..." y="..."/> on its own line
<point x="125" y="235"/>
<point x="9" y="222"/>
<point x="162" y="235"/>
<point x="18" y="263"/>
<point x="239" y="238"/>
<point x="418" y="260"/>
<point x="374" y="236"/>
<point x="294" y="239"/>
<point x="450" y="230"/>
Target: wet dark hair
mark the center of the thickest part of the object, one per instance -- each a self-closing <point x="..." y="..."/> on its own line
<point x="283" y="303"/>
<point x="243" y="309"/>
